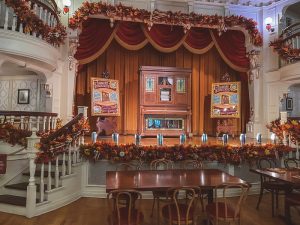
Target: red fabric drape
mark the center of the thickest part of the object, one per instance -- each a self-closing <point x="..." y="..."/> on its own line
<point x="198" y="38"/>
<point x="130" y="33"/>
<point x="97" y="35"/>
<point x="165" y="36"/>
<point x="232" y="45"/>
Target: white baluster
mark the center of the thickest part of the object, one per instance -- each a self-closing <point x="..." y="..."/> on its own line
<point x="30" y="123"/>
<point x="56" y="172"/>
<point x="14" y="22"/>
<point x="53" y="123"/>
<point x="38" y="123"/>
<point x="31" y="188"/>
<point x="78" y="156"/>
<point x="49" y="177"/>
<point x="69" y="161"/>
<point x="12" y="119"/>
<point x="40" y="12"/>
<point x="64" y="164"/>
<point x="49" y="122"/>
<point x="22" y="122"/>
<point x="45" y="16"/>
<point x="74" y="153"/>
<point x="44" y="123"/>
<point x="6" y="18"/>
<point x="42" y="187"/>
<point x="21" y="27"/>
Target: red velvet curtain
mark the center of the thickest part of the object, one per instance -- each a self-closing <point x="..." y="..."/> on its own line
<point x="97" y="35"/>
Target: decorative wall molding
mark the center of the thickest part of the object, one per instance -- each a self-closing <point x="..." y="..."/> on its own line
<point x="23" y="45"/>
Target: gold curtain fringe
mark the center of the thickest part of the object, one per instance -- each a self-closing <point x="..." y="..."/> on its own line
<point x="198" y="51"/>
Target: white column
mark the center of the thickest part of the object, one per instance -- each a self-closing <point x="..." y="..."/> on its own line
<point x="31" y="188"/>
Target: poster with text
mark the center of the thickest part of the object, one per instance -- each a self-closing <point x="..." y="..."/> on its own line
<point x="225" y="100"/>
<point x="105" y="97"/>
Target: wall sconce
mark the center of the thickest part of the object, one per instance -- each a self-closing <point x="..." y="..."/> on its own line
<point x="67" y="4"/>
<point x="268" y="22"/>
<point x="48" y="90"/>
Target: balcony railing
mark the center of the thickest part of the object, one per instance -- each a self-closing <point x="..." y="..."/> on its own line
<point x="288" y="44"/>
<point x="46" y="10"/>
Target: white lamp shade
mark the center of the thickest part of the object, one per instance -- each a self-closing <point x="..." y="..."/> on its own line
<point x="67" y="3"/>
<point x="268" y="20"/>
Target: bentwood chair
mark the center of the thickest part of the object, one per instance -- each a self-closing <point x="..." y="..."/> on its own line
<point x="181" y="207"/>
<point x="291" y="163"/>
<point x="268" y="184"/>
<point x="291" y="200"/>
<point x="226" y="210"/>
<point x="124" y="215"/>
<point x="196" y="164"/>
<point x="159" y="164"/>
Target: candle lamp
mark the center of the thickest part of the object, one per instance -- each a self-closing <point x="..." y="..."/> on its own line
<point x="137" y="138"/>
<point x="115" y="138"/>
<point x="204" y="138"/>
<point x="258" y="138"/>
<point x="182" y="138"/>
<point x="94" y="137"/>
<point x="243" y="139"/>
<point x="160" y="139"/>
<point x="225" y="139"/>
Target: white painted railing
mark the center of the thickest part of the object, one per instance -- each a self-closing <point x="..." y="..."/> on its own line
<point x="46" y="10"/>
<point x="27" y="120"/>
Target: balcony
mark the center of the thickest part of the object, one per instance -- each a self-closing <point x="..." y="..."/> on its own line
<point x="288" y="44"/>
<point x="17" y="41"/>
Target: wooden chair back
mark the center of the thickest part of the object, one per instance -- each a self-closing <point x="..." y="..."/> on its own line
<point x="291" y="163"/>
<point x="184" y="200"/>
<point x="121" y="214"/>
<point x="192" y="164"/>
<point x="265" y="163"/>
<point x="229" y="205"/>
<point x="161" y="164"/>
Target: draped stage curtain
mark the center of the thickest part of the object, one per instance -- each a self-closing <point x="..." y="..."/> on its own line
<point x="126" y="46"/>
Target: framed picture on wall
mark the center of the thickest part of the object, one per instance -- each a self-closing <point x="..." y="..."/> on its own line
<point x="23" y="96"/>
<point x="289" y="104"/>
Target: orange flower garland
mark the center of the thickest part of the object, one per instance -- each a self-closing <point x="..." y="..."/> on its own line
<point x="128" y="13"/>
<point x="224" y="154"/>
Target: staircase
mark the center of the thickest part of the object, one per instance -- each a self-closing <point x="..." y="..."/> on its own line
<point x="45" y="186"/>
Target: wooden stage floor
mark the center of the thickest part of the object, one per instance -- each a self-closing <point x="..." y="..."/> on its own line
<point x="196" y="140"/>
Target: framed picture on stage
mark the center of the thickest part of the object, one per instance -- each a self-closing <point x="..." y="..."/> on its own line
<point x="105" y="99"/>
<point x="289" y="104"/>
<point x="225" y="100"/>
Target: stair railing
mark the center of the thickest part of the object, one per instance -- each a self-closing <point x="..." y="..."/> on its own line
<point x="42" y="121"/>
<point x="67" y="151"/>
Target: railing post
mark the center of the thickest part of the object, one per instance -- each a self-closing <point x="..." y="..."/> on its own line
<point x="31" y="188"/>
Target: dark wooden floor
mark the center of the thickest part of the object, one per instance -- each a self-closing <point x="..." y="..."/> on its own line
<point x="94" y="211"/>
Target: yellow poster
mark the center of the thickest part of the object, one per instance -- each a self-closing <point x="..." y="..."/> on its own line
<point x="105" y="97"/>
<point x="225" y="100"/>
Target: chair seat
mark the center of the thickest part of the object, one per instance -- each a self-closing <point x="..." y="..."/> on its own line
<point x="171" y="208"/>
<point x="211" y="210"/>
<point x="126" y="197"/>
<point x="124" y="217"/>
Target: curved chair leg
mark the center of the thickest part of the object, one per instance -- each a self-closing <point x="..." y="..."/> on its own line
<point x="153" y="204"/>
<point x="273" y="214"/>
<point x="260" y="197"/>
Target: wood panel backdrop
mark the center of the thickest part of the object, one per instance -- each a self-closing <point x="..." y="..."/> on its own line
<point x="123" y="65"/>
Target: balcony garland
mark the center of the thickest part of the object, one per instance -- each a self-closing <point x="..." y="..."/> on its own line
<point x="127" y="13"/>
<point x="53" y="35"/>
<point x="224" y="154"/>
<point x="291" y="128"/>
<point x="286" y="52"/>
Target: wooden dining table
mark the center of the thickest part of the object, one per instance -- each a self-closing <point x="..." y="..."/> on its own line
<point x="290" y="176"/>
<point x="161" y="180"/>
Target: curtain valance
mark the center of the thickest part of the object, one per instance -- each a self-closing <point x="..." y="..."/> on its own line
<point x="97" y="35"/>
